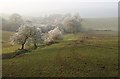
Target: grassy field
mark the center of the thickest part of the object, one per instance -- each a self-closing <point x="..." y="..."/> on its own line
<point x="96" y="56"/>
<point x="7" y="47"/>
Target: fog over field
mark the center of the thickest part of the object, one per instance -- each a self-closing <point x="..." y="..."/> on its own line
<point x="99" y="14"/>
<point x="59" y="38"/>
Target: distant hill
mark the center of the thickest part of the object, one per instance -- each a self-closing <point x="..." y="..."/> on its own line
<point x="101" y="23"/>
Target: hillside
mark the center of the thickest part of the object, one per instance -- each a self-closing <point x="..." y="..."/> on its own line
<point x="97" y="56"/>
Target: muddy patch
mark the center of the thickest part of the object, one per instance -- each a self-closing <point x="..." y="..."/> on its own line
<point x="17" y="53"/>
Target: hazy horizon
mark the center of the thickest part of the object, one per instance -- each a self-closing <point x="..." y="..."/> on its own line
<point x="38" y="8"/>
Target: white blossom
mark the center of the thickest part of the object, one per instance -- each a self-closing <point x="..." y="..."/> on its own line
<point x="53" y="35"/>
<point x="27" y="33"/>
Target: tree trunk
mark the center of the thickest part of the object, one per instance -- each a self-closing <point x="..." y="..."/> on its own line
<point x="22" y="46"/>
<point x="35" y="45"/>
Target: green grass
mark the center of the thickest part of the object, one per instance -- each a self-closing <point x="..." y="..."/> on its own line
<point x="95" y="57"/>
<point x="6" y="46"/>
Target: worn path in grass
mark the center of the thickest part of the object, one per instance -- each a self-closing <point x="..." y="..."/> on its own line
<point x="68" y="58"/>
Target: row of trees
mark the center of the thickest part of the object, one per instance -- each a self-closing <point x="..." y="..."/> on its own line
<point x="46" y="33"/>
<point x="14" y="21"/>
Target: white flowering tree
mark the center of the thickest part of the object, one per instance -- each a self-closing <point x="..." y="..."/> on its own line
<point x="24" y="33"/>
<point x="53" y="35"/>
<point x="72" y="24"/>
<point x="36" y="35"/>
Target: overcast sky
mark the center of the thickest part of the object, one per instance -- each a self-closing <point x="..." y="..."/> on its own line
<point x="86" y="8"/>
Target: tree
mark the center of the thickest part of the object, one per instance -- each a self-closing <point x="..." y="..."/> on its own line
<point x="16" y="18"/>
<point x="72" y="24"/>
<point x="53" y="35"/>
<point x="19" y="39"/>
<point x="36" y="35"/>
<point x="15" y="21"/>
<point x="24" y="33"/>
<point x="21" y="36"/>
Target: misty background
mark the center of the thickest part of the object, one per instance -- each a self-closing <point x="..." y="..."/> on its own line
<point x="99" y="14"/>
<point x="46" y="7"/>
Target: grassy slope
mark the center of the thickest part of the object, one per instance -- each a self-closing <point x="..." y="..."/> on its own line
<point x="70" y="57"/>
<point x="6" y="46"/>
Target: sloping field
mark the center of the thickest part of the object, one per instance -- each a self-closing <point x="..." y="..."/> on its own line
<point x="95" y="55"/>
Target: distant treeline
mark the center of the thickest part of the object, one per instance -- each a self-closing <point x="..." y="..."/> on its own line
<point x="14" y="21"/>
